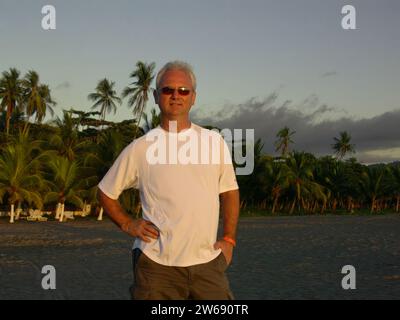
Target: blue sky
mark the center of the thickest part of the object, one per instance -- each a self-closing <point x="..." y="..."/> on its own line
<point x="239" y="50"/>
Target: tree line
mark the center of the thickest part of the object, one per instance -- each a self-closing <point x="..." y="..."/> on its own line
<point x="60" y="162"/>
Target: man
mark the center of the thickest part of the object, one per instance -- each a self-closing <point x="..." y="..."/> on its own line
<point x="176" y="255"/>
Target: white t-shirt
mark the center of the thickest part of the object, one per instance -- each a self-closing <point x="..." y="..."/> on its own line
<point x="179" y="176"/>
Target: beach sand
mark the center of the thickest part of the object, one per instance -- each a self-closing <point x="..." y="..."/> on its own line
<point x="276" y="258"/>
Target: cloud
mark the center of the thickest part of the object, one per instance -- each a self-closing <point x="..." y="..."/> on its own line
<point x="63" y="85"/>
<point x="316" y="125"/>
<point x="329" y="74"/>
<point x="381" y="155"/>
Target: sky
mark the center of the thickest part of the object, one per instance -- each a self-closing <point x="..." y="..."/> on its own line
<point x="259" y="64"/>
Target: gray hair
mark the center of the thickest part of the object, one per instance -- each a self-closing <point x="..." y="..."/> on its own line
<point x="176" y="65"/>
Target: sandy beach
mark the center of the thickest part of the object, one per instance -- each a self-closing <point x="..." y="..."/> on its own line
<point x="276" y="258"/>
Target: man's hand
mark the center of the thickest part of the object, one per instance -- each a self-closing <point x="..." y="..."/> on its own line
<point x="141" y="228"/>
<point x="227" y="249"/>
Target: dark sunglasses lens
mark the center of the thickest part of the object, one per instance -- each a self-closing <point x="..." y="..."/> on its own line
<point x="170" y="91"/>
<point x="183" y="91"/>
<point x="167" y="90"/>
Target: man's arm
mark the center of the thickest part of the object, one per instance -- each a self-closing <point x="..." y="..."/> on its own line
<point x="134" y="227"/>
<point x="230" y="210"/>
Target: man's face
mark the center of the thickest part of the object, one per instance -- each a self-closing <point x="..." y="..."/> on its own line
<point x="171" y="96"/>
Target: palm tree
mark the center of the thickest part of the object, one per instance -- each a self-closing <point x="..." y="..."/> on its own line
<point x="154" y="121"/>
<point x="280" y="183"/>
<point x="342" y="145"/>
<point x="105" y="97"/>
<point x="335" y="176"/>
<point x="10" y="93"/>
<point x="373" y="186"/>
<point x="252" y="194"/>
<point x="68" y="183"/>
<point x="15" y="121"/>
<point x="284" y="140"/>
<point x="37" y="96"/>
<point x="109" y="145"/>
<point x="20" y="175"/>
<point x="84" y="118"/>
<point x="396" y="185"/>
<point x="301" y="181"/>
<point x="66" y="137"/>
<point x="143" y="75"/>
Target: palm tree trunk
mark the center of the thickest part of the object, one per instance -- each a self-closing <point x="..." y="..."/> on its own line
<point x="373" y="204"/>
<point x="349" y="204"/>
<point x="275" y="204"/>
<point x="7" y="125"/>
<point x="334" y="205"/>
<point x="12" y="214"/>
<point x="137" y="124"/>
<point x="26" y="126"/>
<point x="10" y="108"/>
<point x="62" y="212"/>
<point x="58" y="211"/>
<point x="323" y="207"/>
<point x="138" y="206"/>
<point x="304" y="205"/>
<point x="100" y="217"/>
<point x="18" y="211"/>
<point x="292" y="206"/>
<point x="315" y="207"/>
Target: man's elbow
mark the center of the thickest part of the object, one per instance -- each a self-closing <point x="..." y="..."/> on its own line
<point x="101" y="197"/>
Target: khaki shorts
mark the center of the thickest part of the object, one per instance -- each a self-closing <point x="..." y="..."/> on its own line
<point x="154" y="281"/>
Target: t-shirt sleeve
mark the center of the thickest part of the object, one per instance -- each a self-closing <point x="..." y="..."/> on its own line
<point x="227" y="178"/>
<point x="122" y="175"/>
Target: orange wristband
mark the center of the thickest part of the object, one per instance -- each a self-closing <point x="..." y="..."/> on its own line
<point x="230" y="240"/>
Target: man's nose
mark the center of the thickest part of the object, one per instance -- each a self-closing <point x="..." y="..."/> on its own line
<point x="175" y="94"/>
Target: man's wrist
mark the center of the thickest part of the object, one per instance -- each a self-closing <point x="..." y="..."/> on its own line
<point x="126" y="226"/>
<point x="229" y="240"/>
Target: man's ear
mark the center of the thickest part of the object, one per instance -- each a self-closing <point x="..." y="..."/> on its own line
<point x="155" y="95"/>
<point x="193" y="98"/>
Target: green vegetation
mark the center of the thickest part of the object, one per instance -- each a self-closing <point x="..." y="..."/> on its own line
<point x="49" y="165"/>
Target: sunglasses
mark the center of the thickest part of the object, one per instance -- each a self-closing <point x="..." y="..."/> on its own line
<point x="170" y="91"/>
